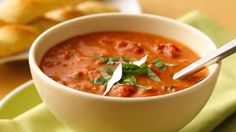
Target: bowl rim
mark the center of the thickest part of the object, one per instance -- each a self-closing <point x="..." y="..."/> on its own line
<point x="37" y="70"/>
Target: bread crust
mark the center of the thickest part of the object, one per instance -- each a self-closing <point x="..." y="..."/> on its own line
<point x="15" y="38"/>
<point x="81" y="9"/>
<point x="32" y="20"/>
<point x="43" y="23"/>
<point x="92" y="7"/>
<point x="25" y="11"/>
<point x="64" y="14"/>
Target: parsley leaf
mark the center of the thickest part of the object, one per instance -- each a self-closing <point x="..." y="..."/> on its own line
<point x="100" y="81"/>
<point x="132" y="80"/>
<point x="129" y="70"/>
<point x="109" y="60"/>
<point x="107" y="70"/>
<point x="152" y="75"/>
<point x="126" y="58"/>
<point x="128" y="66"/>
<point x="112" y="60"/>
<point x="161" y="65"/>
<point x="103" y="59"/>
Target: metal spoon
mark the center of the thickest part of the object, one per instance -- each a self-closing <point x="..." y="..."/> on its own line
<point x="215" y="56"/>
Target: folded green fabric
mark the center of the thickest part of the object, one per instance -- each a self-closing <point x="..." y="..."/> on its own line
<point x="38" y="119"/>
<point x="222" y="103"/>
<point x="217" y="115"/>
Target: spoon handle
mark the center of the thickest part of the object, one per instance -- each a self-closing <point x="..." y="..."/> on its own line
<point x="215" y="56"/>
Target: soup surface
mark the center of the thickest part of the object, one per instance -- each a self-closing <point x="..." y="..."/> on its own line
<point x="87" y="63"/>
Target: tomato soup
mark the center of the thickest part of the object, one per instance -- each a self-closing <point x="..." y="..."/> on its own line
<point x="87" y="63"/>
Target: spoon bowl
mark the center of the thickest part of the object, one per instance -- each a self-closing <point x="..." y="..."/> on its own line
<point x="207" y="60"/>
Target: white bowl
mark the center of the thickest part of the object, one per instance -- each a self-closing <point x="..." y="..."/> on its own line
<point x="94" y="113"/>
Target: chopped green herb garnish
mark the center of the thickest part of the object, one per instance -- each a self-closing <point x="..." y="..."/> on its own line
<point x="126" y="58"/>
<point x="152" y="75"/>
<point x="112" y="60"/>
<point x="129" y="71"/>
<point x="132" y="69"/>
<point x="128" y="66"/>
<point x="103" y="59"/>
<point x="143" y="87"/>
<point x="129" y="79"/>
<point x="161" y="65"/>
<point x="109" y="60"/>
<point x="100" y="81"/>
<point x="106" y="76"/>
<point x="107" y="70"/>
<point x="132" y="80"/>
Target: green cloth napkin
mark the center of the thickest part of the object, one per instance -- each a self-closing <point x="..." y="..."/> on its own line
<point x="222" y="104"/>
<point x="218" y="115"/>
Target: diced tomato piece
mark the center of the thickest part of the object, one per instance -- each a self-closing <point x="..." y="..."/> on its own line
<point x="167" y="49"/>
<point x="129" y="46"/>
<point x="122" y="44"/>
<point x="123" y="91"/>
<point x="138" y="50"/>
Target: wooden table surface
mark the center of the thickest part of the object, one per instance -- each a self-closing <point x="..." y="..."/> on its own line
<point x="222" y="11"/>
